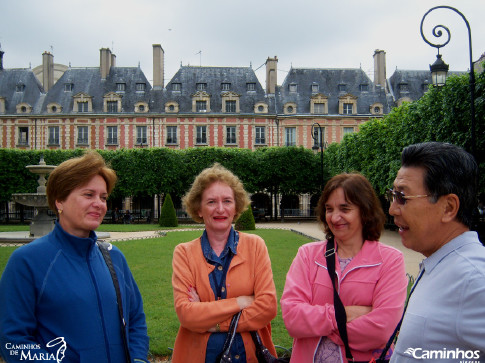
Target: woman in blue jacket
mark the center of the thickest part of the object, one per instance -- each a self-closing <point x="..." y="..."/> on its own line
<point x="57" y="298"/>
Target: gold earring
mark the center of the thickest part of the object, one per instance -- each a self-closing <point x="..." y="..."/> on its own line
<point x="59" y="211"/>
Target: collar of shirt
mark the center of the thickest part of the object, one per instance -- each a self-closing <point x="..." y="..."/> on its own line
<point x="432" y="261"/>
<point x="231" y="244"/>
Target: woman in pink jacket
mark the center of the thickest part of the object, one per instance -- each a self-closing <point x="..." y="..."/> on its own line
<point x="371" y="279"/>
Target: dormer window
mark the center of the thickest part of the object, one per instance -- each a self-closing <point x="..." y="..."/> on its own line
<point x="141" y="87"/>
<point x="201" y="86"/>
<point x="176" y="87"/>
<point x="251" y="87"/>
<point x="68" y="87"/>
<point x="342" y="87"/>
<point x="20" y="87"/>
<point x="364" y="88"/>
<point x="403" y="87"/>
<point x="225" y="86"/>
<point x="120" y="87"/>
<point x="315" y="88"/>
<point x="293" y="87"/>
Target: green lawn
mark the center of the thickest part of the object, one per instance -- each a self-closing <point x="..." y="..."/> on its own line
<point x="150" y="261"/>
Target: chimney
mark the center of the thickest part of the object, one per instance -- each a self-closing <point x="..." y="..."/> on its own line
<point x="105" y="62"/>
<point x="380" y="68"/>
<point x="47" y="70"/>
<point x="1" y="59"/>
<point x="113" y="60"/>
<point x="158" y="55"/>
<point x="271" y="76"/>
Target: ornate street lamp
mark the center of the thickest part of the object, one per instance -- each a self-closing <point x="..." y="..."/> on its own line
<point x="317" y="136"/>
<point x="439" y="68"/>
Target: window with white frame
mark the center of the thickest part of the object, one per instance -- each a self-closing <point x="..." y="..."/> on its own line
<point x="230" y="106"/>
<point x="53" y="138"/>
<point x="251" y="86"/>
<point x="342" y="87"/>
<point x="141" y="135"/>
<point x="364" y="88"/>
<point x="112" y="138"/>
<point x="260" y="135"/>
<point x="319" y="108"/>
<point x="201" y="106"/>
<point x="201" y="86"/>
<point x="348" y="108"/>
<point x="293" y="87"/>
<point x="177" y="87"/>
<point x="315" y="88"/>
<point x="23" y="135"/>
<point x="225" y="86"/>
<point x="140" y="87"/>
<point x="112" y="106"/>
<point x="171" y="134"/>
<point x="290" y="136"/>
<point x="83" y="106"/>
<point x="201" y="135"/>
<point x="230" y="134"/>
<point x="82" y="135"/>
<point x="348" y="130"/>
<point x="120" y="87"/>
<point x="68" y="87"/>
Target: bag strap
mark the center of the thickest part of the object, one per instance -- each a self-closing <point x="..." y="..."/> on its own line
<point x="340" y="314"/>
<point x="382" y="357"/>
<point x="231" y="334"/>
<point x="103" y="246"/>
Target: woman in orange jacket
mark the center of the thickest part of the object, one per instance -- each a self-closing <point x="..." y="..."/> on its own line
<point x="219" y="274"/>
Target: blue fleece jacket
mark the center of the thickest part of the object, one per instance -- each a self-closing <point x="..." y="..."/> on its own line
<point x="59" y="286"/>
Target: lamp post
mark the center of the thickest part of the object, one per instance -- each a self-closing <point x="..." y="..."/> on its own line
<point x="317" y="136"/>
<point x="439" y="68"/>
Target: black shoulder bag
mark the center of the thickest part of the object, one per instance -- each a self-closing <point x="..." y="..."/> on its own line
<point x="103" y="246"/>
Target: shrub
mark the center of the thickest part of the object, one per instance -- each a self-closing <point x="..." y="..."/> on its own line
<point x="168" y="217"/>
<point x="245" y="222"/>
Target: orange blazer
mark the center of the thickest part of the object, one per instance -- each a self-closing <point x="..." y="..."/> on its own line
<point x="249" y="274"/>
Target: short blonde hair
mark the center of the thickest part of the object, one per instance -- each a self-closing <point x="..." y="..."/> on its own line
<point x="216" y="173"/>
<point x="77" y="172"/>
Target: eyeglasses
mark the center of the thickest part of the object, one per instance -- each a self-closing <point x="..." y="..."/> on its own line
<point x="395" y="195"/>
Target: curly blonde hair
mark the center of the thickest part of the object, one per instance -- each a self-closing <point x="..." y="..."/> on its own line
<point x="216" y="173"/>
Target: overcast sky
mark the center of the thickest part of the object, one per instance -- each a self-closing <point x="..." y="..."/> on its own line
<point x="238" y="33"/>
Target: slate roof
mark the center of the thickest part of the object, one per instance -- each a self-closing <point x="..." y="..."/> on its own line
<point x="332" y="83"/>
<point x="32" y="93"/>
<point x="189" y="76"/>
<point x="88" y="80"/>
<point x="408" y="83"/>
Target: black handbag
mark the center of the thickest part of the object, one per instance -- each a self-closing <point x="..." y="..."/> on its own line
<point x="262" y="353"/>
<point x="225" y="356"/>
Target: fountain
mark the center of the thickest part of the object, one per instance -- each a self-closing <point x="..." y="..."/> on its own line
<point x="42" y="223"/>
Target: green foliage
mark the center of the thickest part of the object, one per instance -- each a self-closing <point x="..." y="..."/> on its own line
<point x="151" y="171"/>
<point x="168" y="217"/>
<point x="245" y="222"/>
<point x="442" y="114"/>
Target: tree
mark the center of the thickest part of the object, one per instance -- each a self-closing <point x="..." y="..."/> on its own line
<point x="245" y="222"/>
<point x="168" y="217"/>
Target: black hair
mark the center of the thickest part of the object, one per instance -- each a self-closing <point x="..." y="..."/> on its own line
<point x="449" y="169"/>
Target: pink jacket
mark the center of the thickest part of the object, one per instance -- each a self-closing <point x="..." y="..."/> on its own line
<point x="375" y="277"/>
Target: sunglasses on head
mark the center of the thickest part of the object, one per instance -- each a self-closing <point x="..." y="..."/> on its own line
<point x="399" y="197"/>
